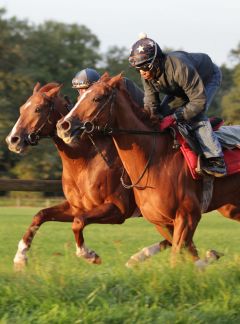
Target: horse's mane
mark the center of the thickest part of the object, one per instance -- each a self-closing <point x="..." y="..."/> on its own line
<point x="48" y="87"/>
<point x="142" y="114"/>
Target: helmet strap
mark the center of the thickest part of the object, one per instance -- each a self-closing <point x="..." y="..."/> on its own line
<point x="154" y="57"/>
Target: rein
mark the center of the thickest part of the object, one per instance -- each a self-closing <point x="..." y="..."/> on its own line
<point x="135" y="185"/>
<point x="109" y="164"/>
<point x="89" y="127"/>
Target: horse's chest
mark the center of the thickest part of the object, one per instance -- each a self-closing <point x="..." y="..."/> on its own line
<point x="154" y="210"/>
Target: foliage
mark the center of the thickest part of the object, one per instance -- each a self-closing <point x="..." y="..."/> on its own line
<point x="231" y="100"/>
<point x="48" y="52"/>
<point x="116" y="61"/>
<point x="59" y="288"/>
<point x="216" y="107"/>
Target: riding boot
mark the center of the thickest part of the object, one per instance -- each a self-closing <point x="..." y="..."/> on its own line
<point x="212" y="162"/>
<point x="214" y="166"/>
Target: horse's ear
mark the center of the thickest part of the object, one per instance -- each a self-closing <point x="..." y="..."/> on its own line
<point x="37" y="87"/>
<point x="115" y="80"/>
<point x="105" y="76"/>
<point x="54" y="91"/>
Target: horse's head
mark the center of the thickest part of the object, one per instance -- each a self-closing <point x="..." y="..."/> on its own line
<point x="37" y="118"/>
<point x="94" y="110"/>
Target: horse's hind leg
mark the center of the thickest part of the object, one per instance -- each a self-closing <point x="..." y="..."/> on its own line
<point x="231" y="211"/>
<point x="59" y="213"/>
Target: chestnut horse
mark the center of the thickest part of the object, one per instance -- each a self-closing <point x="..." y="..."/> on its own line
<point x="164" y="189"/>
<point x="90" y="177"/>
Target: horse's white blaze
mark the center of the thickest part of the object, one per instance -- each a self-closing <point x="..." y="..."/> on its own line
<point x="76" y="105"/>
<point x="21" y="255"/>
<point x="27" y="104"/>
<point x="14" y="129"/>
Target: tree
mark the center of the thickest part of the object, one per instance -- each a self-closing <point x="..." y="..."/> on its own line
<point x="56" y="51"/>
<point x="227" y="81"/>
<point x="48" y="52"/>
<point x="231" y="101"/>
<point x="116" y="61"/>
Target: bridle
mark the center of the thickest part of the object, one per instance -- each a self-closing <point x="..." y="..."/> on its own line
<point x="34" y="137"/>
<point x="89" y="127"/>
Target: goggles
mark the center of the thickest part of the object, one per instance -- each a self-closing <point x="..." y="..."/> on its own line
<point x="80" y="84"/>
<point x="144" y="67"/>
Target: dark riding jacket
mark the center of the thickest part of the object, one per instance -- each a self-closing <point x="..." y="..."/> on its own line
<point x="182" y="77"/>
<point x="135" y="92"/>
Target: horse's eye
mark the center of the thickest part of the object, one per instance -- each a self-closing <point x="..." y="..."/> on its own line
<point x="97" y="99"/>
<point x="38" y="109"/>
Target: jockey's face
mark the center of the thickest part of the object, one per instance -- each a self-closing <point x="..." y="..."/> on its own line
<point x="147" y="75"/>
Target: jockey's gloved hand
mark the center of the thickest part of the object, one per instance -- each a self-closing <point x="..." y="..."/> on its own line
<point x="167" y="122"/>
<point x="153" y="111"/>
<point x="178" y="115"/>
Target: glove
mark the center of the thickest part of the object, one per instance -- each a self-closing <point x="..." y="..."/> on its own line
<point x="167" y="122"/>
<point x="179" y="115"/>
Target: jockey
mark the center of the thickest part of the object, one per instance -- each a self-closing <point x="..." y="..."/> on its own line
<point x="189" y="82"/>
<point x="85" y="78"/>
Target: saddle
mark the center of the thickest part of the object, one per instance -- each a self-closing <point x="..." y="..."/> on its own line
<point x="192" y="151"/>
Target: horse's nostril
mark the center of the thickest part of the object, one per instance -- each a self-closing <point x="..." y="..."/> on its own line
<point x="65" y="125"/>
<point x="14" y="139"/>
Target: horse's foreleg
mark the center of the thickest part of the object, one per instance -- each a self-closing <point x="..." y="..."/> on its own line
<point x="149" y="251"/>
<point x="59" y="213"/>
<point x="185" y="224"/>
<point x="104" y="214"/>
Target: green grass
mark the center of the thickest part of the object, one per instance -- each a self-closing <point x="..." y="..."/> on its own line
<point x="57" y="287"/>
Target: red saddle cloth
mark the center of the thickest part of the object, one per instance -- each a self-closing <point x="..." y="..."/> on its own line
<point x="231" y="158"/>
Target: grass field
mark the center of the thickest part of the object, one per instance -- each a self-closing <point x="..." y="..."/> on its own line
<point x="57" y="287"/>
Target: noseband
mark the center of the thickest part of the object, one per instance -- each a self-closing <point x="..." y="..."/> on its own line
<point x="89" y="127"/>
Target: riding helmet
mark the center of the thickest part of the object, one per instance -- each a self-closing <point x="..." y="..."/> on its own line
<point x="85" y="78"/>
<point x="144" y="51"/>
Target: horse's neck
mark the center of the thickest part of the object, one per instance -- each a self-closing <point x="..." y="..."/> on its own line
<point x="127" y="118"/>
<point x="61" y="107"/>
<point x="85" y="151"/>
<point x="132" y="148"/>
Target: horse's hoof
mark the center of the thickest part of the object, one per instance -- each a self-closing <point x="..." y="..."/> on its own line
<point x="94" y="260"/>
<point x="201" y="264"/>
<point x="131" y="263"/>
<point x="212" y="255"/>
<point x="97" y="260"/>
<point x="20" y="265"/>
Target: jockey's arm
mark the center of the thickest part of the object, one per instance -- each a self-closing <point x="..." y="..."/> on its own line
<point x="191" y="83"/>
<point x="151" y="98"/>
